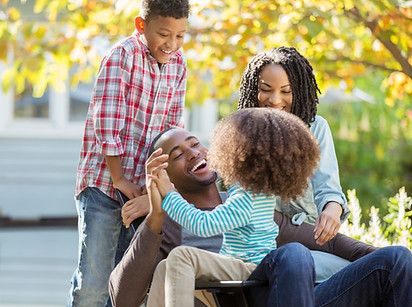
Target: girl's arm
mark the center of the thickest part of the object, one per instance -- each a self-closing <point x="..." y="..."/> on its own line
<point x="234" y="213"/>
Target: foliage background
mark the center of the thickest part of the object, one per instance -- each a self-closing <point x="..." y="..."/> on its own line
<point x="351" y="45"/>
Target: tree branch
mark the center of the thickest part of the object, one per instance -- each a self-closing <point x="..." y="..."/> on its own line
<point x="389" y="45"/>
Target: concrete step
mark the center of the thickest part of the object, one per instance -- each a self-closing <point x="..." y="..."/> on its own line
<point x="38" y="177"/>
<point x="36" y="265"/>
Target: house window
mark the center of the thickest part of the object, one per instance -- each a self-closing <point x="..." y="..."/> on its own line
<point x="79" y="102"/>
<point x="26" y="106"/>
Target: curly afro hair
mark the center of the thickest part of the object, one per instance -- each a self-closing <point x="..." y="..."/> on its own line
<point x="166" y="8"/>
<point x="264" y="150"/>
<point x="300" y="73"/>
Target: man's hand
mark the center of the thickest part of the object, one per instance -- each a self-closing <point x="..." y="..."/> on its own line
<point x="156" y="214"/>
<point x="135" y="208"/>
<point x="155" y="172"/>
<point x="328" y="223"/>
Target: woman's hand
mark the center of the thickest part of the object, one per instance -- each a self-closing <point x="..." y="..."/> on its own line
<point x="328" y="223"/>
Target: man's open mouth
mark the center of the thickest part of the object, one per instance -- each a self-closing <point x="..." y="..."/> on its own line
<point x="201" y="164"/>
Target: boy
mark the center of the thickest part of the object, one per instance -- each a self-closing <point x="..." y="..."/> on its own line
<point x="139" y="92"/>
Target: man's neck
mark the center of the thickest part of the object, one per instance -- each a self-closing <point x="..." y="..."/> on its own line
<point x="204" y="197"/>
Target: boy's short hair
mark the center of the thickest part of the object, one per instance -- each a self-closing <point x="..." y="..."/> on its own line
<point x="165" y="8"/>
<point x="264" y="150"/>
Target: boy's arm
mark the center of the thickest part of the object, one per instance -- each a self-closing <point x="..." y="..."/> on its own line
<point x="127" y="187"/>
<point x="341" y="245"/>
<point x="177" y="106"/>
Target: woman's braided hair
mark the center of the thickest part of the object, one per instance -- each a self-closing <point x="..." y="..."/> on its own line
<point x="301" y="78"/>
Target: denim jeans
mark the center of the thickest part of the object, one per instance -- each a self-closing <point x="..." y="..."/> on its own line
<point x="382" y="278"/>
<point x="102" y="242"/>
<point x="290" y="271"/>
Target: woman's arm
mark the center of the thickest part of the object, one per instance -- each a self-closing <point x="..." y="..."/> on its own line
<point x="325" y="181"/>
<point x="341" y="245"/>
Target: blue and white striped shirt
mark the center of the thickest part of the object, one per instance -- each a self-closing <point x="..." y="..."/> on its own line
<point x="246" y="221"/>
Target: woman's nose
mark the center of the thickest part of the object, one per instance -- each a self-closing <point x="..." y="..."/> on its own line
<point x="275" y="98"/>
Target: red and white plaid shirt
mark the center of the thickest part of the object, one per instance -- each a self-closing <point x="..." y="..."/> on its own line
<point x="133" y="100"/>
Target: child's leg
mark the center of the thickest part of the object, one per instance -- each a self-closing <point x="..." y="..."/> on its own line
<point x="157" y="290"/>
<point x="156" y="296"/>
<point x="186" y="264"/>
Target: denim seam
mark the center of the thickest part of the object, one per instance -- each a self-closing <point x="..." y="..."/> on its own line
<point x="353" y="285"/>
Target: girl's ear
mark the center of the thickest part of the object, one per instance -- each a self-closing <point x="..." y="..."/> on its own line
<point x="139" y="25"/>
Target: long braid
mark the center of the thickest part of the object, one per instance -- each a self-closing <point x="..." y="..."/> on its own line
<point x="301" y="78"/>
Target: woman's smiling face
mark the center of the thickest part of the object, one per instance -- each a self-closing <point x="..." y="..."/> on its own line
<point x="275" y="90"/>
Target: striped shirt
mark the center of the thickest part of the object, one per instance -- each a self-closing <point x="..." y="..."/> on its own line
<point x="133" y="100"/>
<point x="246" y="221"/>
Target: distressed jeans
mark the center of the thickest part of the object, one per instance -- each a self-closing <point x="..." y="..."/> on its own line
<point x="102" y="242"/>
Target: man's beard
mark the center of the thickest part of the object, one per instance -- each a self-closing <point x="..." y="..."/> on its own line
<point x="208" y="181"/>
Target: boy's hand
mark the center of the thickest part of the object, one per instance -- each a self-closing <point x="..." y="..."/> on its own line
<point x="125" y="186"/>
<point x="135" y="208"/>
<point x="328" y="223"/>
<point x="128" y="188"/>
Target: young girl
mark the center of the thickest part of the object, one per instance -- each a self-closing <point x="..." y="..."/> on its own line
<point x="282" y="78"/>
<point x="259" y="153"/>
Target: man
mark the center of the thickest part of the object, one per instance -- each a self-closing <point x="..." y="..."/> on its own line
<point x="189" y="171"/>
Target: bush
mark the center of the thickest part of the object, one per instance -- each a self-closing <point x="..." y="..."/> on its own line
<point x="393" y="229"/>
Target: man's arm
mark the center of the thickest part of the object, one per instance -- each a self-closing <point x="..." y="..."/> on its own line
<point x="341" y="245"/>
<point x="131" y="278"/>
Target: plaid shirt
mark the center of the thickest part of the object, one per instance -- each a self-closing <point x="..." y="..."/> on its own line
<point x="133" y="100"/>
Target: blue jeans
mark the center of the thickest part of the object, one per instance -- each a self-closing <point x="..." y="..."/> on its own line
<point x="382" y="278"/>
<point x="102" y="242"/>
<point x="290" y="272"/>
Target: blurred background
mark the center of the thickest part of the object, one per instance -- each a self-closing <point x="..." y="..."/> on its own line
<point x="50" y="51"/>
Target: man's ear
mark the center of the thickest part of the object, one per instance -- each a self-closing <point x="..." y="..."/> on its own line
<point x="139" y="24"/>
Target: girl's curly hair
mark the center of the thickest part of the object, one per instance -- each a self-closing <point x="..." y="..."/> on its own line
<point x="265" y="150"/>
<point x="166" y="8"/>
<point x="301" y="78"/>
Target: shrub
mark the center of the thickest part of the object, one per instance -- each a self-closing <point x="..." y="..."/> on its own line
<point x="392" y="229"/>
